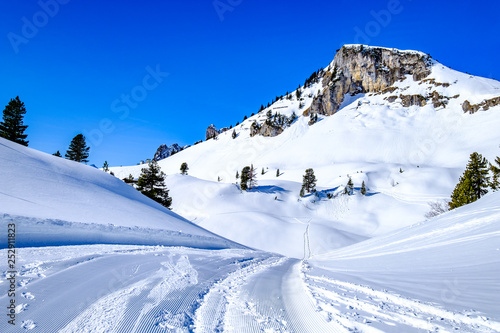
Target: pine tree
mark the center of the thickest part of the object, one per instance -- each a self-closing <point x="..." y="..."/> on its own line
<point x="308" y="182"/>
<point x="350" y="186"/>
<point x="78" y="150"/>
<point x="184" y="168"/>
<point x="151" y="183"/>
<point x="237" y="175"/>
<point x="105" y="166"/>
<point x="234" y="135"/>
<point x="248" y="178"/>
<point x="244" y="178"/>
<point x="473" y="183"/>
<point x="269" y="118"/>
<point x="130" y="179"/>
<point x="12" y="127"/>
<point x="278" y="173"/>
<point x="495" y="170"/>
<point x="363" y="188"/>
<point x="57" y="153"/>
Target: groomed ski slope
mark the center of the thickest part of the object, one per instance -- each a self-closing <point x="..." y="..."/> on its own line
<point x="439" y="276"/>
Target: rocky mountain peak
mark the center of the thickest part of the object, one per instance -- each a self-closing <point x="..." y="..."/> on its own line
<point x="362" y="69"/>
<point x="165" y="151"/>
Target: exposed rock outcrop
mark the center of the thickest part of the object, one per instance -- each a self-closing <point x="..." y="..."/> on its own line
<point x="410" y="100"/>
<point x="361" y="69"/>
<point x="213" y="132"/>
<point x="165" y="151"/>
<point x="484" y="105"/>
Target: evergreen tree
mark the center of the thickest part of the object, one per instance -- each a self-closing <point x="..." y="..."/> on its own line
<point x="473" y="183"/>
<point x="248" y="178"/>
<point x="12" y="127"/>
<point x="269" y="118"/>
<point x="105" y="166"/>
<point x="237" y="175"/>
<point x="78" y="150"/>
<point x="130" y="179"/>
<point x="298" y="93"/>
<point x="363" y="188"/>
<point x="234" y="135"/>
<point x="495" y="169"/>
<point x="308" y="182"/>
<point x="349" y="188"/>
<point x="57" y="153"/>
<point x="151" y="183"/>
<point x="278" y="173"/>
<point x="184" y="168"/>
<point x="244" y="178"/>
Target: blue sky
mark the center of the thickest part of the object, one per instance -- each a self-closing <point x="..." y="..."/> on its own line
<point x="134" y="75"/>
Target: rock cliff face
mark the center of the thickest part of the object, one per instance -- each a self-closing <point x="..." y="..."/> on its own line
<point x="361" y="69"/>
<point x="164" y="151"/>
<point x="213" y="132"/>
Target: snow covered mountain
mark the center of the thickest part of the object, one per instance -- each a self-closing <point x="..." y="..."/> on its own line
<point x="94" y="255"/>
<point x="397" y="120"/>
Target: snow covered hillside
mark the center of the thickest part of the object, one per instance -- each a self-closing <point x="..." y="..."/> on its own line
<point x="409" y="143"/>
<point x="438" y="276"/>
<point x="450" y="262"/>
<point x="54" y="201"/>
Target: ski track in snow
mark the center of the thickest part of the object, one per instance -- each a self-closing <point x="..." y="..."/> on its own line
<point x="362" y="308"/>
<point x="186" y="290"/>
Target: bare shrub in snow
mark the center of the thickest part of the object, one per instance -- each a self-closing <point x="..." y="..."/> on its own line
<point x="437" y="208"/>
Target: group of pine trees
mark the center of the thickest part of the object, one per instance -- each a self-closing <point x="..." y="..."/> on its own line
<point x="309" y="185"/>
<point x="475" y="181"/>
<point x="12" y="128"/>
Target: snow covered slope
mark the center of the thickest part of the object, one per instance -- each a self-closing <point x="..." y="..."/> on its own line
<point x="439" y="276"/>
<point x="406" y="155"/>
<point x="450" y="262"/>
<point x="54" y="201"/>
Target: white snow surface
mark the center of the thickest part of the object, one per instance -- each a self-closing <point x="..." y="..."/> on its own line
<point x="440" y="276"/>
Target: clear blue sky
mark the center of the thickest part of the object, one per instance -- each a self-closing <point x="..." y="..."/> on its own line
<point x="73" y="66"/>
